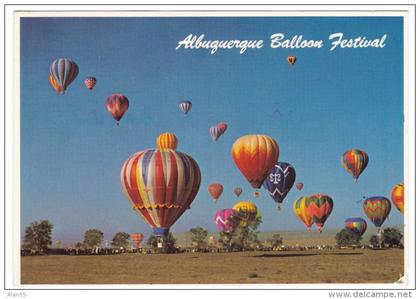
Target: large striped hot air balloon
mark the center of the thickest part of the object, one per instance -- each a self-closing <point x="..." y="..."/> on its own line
<point x="167" y="140"/>
<point x="160" y="184"/>
<point x="247" y="212"/>
<point x="64" y="71"/>
<point x="320" y="207"/>
<point x="137" y="238"/>
<point x="185" y="106"/>
<point x="357" y="225"/>
<point x="117" y="104"/>
<point x="279" y="182"/>
<point x="255" y="156"/>
<point x="224" y="220"/>
<point x="377" y="209"/>
<point x="300" y="208"/>
<point x="355" y="161"/>
<point x="397" y="197"/>
<point x="215" y="190"/>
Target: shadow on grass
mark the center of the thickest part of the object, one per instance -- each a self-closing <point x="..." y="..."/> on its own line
<point x="305" y="254"/>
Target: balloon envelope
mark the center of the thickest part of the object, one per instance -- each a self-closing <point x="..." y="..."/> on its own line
<point x="167" y="141"/>
<point x="215" y="190"/>
<point x="280" y="180"/>
<point x="377" y="209"/>
<point x="161" y="185"/>
<point x="300" y="208"/>
<point x="185" y="106"/>
<point x="237" y="191"/>
<point x="319" y="208"/>
<point x="357" y="225"/>
<point x="64" y="71"/>
<point x="90" y="82"/>
<point x="117" y="104"/>
<point x="355" y="161"/>
<point x="215" y="132"/>
<point x="255" y="156"/>
<point x="222" y="126"/>
<point x="291" y="59"/>
<point x="397" y="197"/>
<point x="299" y="186"/>
<point x="247" y="212"/>
<point x="224" y="220"/>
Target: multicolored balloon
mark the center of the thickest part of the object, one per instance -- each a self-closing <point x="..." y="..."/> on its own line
<point x="357" y="225"/>
<point x="117" y="104"/>
<point x="355" y="161"/>
<point x="185" y="106"/>
<point x="255" y="156"/>
<point x="137" y="238"/>
<point x="215" y="190"/>
<point x="397" y="197"/>
<point x="291" y="59"/>
<point x="90" y="82"/>
<point x="299" y="186"/>
<point x="237" y="191"/>
<point x="167" y="141"/>
<point x="247" y="212"/>
<point x="64" y="71"/>
<point x="222" y="126"/>
<point x="279" y="182"/>
<point x="319" y="208"/>
<point x="377" y="209"/>
<point x="300" y="208"/>
<point x="54" y="84"/>
<point x="215" y="132"/>
<point x="161" y="185"/>
<point x="224" y="220"/>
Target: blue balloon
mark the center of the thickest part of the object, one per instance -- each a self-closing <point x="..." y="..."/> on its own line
<point x="280" y="180"/>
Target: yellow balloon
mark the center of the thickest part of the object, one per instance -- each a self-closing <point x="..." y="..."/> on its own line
<point x="247" y="212"/>
<point x="166" y="141"/>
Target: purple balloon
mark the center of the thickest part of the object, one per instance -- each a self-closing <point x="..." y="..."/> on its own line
<point x="223" y="218"/>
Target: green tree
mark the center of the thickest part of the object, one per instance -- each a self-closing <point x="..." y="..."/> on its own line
<point x="121" y="239"/>
<point x="199" y="235"/>
<point x="276" y="240"/>
<point x="242" y="237"/>
<point x="80" y="245"/>
<point x="168" y="243"/>
<point x="374" y="241"/>
<point x="38" y="236"/>
<point x="392" y="237"/>
<point x="93" y="238"/>
<point x="347" y="237"/>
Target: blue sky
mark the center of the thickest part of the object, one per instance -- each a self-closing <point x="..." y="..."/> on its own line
<point x="327" y="103"/>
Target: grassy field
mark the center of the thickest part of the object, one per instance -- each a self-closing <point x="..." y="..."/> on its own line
<point x="313" y="266"/>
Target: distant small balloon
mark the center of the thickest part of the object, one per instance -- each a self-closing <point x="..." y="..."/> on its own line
<point x="185" y="106"/>
<point x="222" y="126"/>
<point x="291" y="59"/>
<point x="237" y="191"/>
<point x="117" y="104"/>
<point x="397" y="197"/>
<point x="299" y="186"/>
<point x="90" y="82"/>
<point x="215" y="132"/>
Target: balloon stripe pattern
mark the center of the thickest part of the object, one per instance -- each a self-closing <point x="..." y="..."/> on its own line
<point x="64" y="71"/>
<point x="279" y="182"/>
<point x="255" y="156"/>
<point x="185" y="106"/>
<point x="300" y="208"/>
<point x="117" y="104"/>
<point x="161" y="185"/>
<point x="355" y="161"/>
<point x="357" y="225"/>
<point x="397" y="196"/>
<point x="167" y="141"/>
<point x="54" y="84"/>
<point x="320" y="207"/>
<point x="215" y="132"/>
<point x="377" y="209"/>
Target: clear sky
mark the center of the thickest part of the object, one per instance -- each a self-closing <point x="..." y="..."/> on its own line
<point x="327" y="103"/>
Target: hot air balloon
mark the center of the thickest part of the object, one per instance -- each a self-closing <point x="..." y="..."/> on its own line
<point x="167" y="140"/>
<point x="224" y="220"/>
<point x="299" y="186"/>
<point x="320" y="207"/>
<point x="357" y="225"/>
<point x="215" y="190"/>
<point x="237" y="191"/>
<point x="117" y="105"/>
<point x="397" y="196"/>
<point x="377" y="208"/>
<point x="137" y="238"/>
<point x="291" y="59"/>
<point x="215" y="132"/>
<point x="64" y="71"/>
<point x="255" y="156"/>
<point x="54" y="84"/>
<point x="161" y="184"/>
<point x="222" y="126"/>
<point x="256" y="194"/>
<point x="279" y="182"/>
<point x="247" y="212"/>
<point x="300" y="207"/>
<point x="90" y="82"/>
<point x="185" y="106"/>
<point x="355" y="161"/>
